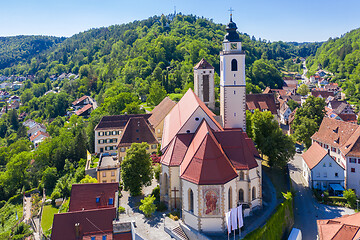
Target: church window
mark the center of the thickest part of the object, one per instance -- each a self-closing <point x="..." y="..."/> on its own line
<point x="253" y="193"/>
<point x="234" y="92"/>
<point x="234" y="114"/>
<point x="242" y="175"/>
<point x="191" y="200"/>
<point x="234" y="82"/>
<point x="187" y="131"/>
<point x="196" y="119"/>
<point x="230" y="198"/>
<point x="241" y="195"/>
<point x="165" y="184"/>
<point x="234" y="66"/>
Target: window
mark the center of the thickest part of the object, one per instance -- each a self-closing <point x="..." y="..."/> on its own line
<point x="191" y="200"/>
<point x="104" y="181"/>
<point x="137" y="139"/>
<point x="352" y="160"/>
<point x="333" y="149"/>
<point x="97" y="199"/>
<point x="336" y="174"/>
<point x="234" y="114"/>
<point x="241" y="195"/>
<point x="158" y="130"/>
<point x="253" y="193"/>
<point x="242" y="175"/>
<point x="234" y="65"/>
<point x="330" y="165"/>
<point x="111" y="201"/>
<point x="101" y="133"/>
<point x="187" y="131"/>
<point x="359" y="160"/>
<point x="104" y="174"/>
<point x="325" y="174"/>
<point x="112" y="173"/>
<point x="234" y="82"/>
<point x="353" y="170"/>
<point x="154" y="146"/>
<point x="326" y="146"/>
<point x="122" y="149"/>
<point x="107" y="133"/>
<point x="101" y="150"/>
<point x="137" y="130"/>
<point x="197" y="119"/>
<point x="114" y="132"/>
<point x="324" y="165"/>
<point x="230" y="198"/>
<point x="234" y="92"/>
<point x="112" y="180"/>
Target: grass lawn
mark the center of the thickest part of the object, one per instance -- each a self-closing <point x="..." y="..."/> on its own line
<point x="146" y="107"/>
<point x="175" y="96"/>
<point x="48" y="217"/>
<point x="278" y="177"/>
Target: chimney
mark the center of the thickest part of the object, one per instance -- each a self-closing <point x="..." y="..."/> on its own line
<point x="77" y="230"/>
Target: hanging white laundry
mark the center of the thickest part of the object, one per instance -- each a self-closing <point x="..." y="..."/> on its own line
<point x="234" y="218"/>
<point x="240" y="216"/>
<point x="228" y="221"/>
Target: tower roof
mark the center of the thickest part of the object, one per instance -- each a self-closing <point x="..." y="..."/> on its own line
<point x="203" y="64"/>
<point x="231" y="35"/>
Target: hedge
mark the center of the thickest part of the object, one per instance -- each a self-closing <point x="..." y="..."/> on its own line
<point x="278" y="225"/>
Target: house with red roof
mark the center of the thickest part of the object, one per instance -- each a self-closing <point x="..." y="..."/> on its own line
<point x="37" y="138"/>
<point x="321" y="171"/>
<point x="209" y="167"/>
<point x="84" y="106"/>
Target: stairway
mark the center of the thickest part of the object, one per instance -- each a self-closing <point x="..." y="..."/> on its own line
<point x="179" y="233"/>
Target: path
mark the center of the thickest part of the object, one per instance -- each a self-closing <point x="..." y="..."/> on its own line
<point x="152" y="228"/>
<point x="27" y="209"/>
<point x="307" y="209"/>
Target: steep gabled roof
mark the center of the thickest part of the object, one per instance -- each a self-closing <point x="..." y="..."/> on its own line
<point x="265" y="101"/>
<point x="314" y="155"/>
<point x="352" y="145"/>
<point x="205" y="163"/>
<point x="181" y="113"/>
<point x="137" y="130"/>
<point x="175" y="153"/>
<point x="83" y="196"/>
<point x="117" y="121"/>
<point x="82" y="110"/>
<point x="160" y="111"/>
<point x="39" y="134"/>
<point x="203" y="64"/>
<point x="76" y="102"/>
<point x="323" y="94"/>
<point x="334" y="132"/>
<point x="90" y="221"/>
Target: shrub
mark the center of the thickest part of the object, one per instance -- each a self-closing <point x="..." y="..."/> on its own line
<point x="350" y="197"/>
<point x="148" y="207"/>
<point x="161" y="206"/>
<point x="55" y="195"/>
<point x="121" y="209"/>
<point x="157" y="171"/>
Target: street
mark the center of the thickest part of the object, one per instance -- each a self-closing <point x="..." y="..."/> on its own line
<point x="306" y="209"/>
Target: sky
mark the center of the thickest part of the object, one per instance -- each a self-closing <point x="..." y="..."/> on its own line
<point x="274" y="20"/>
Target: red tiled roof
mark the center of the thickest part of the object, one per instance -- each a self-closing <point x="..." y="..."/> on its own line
<point x="205" y="163"/>
<point x="345" y="227"/>
<point x="238" y="147"/>
<point x="352" y="145"/>
<point x="80" y="111"/>
<point x="324" y="94"/>
<point x="348" y="117"/>
<point x="76" y="102"/>
<point x="265" y="101"/>
<point x="181" y="113"/>
<point x="38" y="134"/>
<point x="160" y="111"/>
<point x="137" y="130"/>
<point x="90" y="221"/>
<point x="314" y="155"/>
<point x="334" y="132"/>
<point x="117" y="121"/>
<point x="203" y="64"/>
<point x="83" y="196"/>
<point x="175" y="153"/>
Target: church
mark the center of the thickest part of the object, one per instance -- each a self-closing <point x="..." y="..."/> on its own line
<point x="209" y="164"/>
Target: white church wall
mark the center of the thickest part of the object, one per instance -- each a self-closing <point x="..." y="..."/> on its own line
<point x="163" y="191"/>
<point x="244" y="185"/>
<point x="212" y="224"/>
<point x="194" y="121"/>
<point x="190" y="218"/>
<point x="234" y="195"/>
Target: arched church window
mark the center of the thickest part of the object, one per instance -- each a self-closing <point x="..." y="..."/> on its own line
<point x="241" y="195"/>
<point x="165" y="184"/>
<point x="253" y="193"/>
<point x="191" y="200"/>
<point x="242" y="175"/>
<point x="234" y="64"/>
<point x="230" y="198"/>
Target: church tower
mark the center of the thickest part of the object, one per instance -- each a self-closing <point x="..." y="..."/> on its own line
<point x="204" y="83"/>
<point x="232" y="80"/>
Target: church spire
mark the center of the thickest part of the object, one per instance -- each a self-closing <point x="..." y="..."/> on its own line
<point x="231" y="35"/>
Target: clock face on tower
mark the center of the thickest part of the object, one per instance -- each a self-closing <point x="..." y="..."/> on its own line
<point x="233" y="46"/>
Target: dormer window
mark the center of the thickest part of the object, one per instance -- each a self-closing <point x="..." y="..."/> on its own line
<point x="111" y="201"/>
<point x="336" y="130"/>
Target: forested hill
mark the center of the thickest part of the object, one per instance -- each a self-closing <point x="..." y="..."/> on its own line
<point x="144" y="50"/>
<point x="14" y="50"/>
<point x="341" y="56"/>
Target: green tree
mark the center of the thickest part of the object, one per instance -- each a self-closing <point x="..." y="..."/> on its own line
<point x="264" y="74"/>
<point x="269" y="138"/>
<point x="147" y="205"/>
<point x="303" y="90"/>
<point x="156" y="94"/>
<point x="350" y="197"/>
<point x="88" y="179"/>
<point x="49" y="178"/>
<point x="136" y="170"/>
<point x="292" y="104"/>
<point x="305" y="128"/>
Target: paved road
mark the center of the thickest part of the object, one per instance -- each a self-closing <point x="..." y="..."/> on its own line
<point x="307" y="209"/>
<point x="303" y="76"/>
